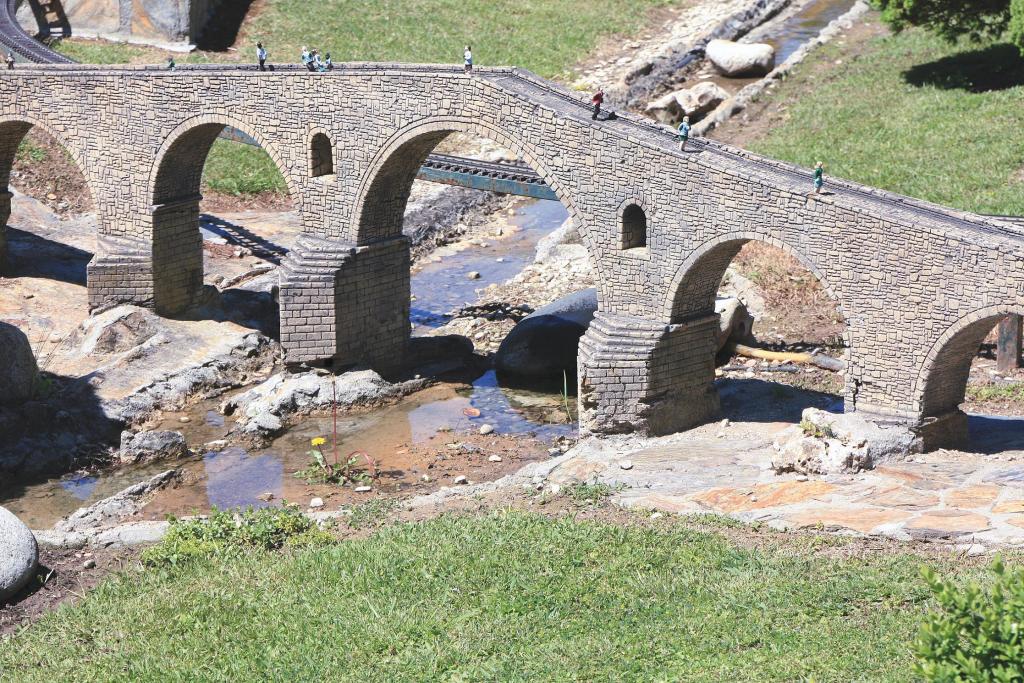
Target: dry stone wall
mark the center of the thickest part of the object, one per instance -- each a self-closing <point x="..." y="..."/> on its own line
<point x="911" y="279"/>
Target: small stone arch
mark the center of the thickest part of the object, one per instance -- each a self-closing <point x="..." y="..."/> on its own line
<point x="634" y="220"/>
<point x="941" y="383"/>
<point x="384" y="188"/>
<point x="321" y="154"/>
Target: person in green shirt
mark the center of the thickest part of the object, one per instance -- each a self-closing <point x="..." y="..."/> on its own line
<point x="819" y="177"/>
<point x="684" y="133"/>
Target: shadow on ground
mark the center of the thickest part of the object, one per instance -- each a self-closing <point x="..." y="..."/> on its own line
<point x="243" y="237"/>
<point x="755" y="400"/>
<point x="33" y="256"/>
<point x="997" y="67"/>
<point x="221" y="30"/>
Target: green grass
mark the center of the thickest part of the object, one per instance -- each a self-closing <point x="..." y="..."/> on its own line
<point x="871" y="123"/>
<point x="503" y="597"/>
<point x="236" y="169"/>
<point x="545" y="36"/>
<point x="997" y="392"/>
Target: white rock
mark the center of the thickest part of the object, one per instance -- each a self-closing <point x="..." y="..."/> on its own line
<point x="316" y="503"/>
<point x="473" y="275"/>
<point x="363" y="489"/>
<point x="19" y="554"/>
<point x="626" y="465"/>
<point x="657" y="515"/>
<point x="89" y="564"/>
<point x="700" y="99"/>
<point x="461" y="479"/>
<point x="664" y="109"/>
<point x="740" y="59"/>
<point x="486" y="429"/>
<point x="494" y="458"/>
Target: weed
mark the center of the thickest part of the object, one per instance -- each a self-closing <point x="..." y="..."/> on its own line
<point x="346" y="471"/>
<point x="371" y="513"/>
<point x="589" y="494"/>
<point x="226" y="534"/>
<point x="818" y="432"/>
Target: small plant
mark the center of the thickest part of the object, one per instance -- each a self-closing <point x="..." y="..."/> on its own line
<point x="371" y="513"/>
<point x="356" y="468"/>
<point x="225" y="534"/>
<point x="975" y="634"/>
<point x="819" y="432"/>
<point x="588" y="494"/>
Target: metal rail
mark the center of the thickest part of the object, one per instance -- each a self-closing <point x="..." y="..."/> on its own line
<point x="13" y="37"/>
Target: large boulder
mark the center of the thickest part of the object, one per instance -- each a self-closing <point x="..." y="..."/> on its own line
<point x="19" y="554"/>
<point x="664" y="109"/>
<point x="18" y="370"/>
<point x="701" y="98"/>
<point x="740" y="59"/>
<point x="830" y="443"/>
<point x="544" y="343"/>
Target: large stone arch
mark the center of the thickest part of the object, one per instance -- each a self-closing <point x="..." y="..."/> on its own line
<point x="941" y="383"/>
<point x="174" y="195"/>
<point x="13" y="129"/>
<point x="384" y="187"/>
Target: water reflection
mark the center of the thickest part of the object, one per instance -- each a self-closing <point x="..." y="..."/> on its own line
<point x="236" y="479"/>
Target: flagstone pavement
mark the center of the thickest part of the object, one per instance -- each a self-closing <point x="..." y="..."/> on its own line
<point x="970" y="499"/>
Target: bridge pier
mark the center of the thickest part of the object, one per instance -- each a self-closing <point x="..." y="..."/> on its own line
<point x="121" y="272"/>
<point x="343" y="304"/>
<point x="644" y="376"/>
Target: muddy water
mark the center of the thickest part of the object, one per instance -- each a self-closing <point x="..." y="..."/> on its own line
<point x="420" y="444"/>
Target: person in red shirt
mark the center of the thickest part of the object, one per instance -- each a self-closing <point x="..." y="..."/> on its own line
<point x="597" y="100"/>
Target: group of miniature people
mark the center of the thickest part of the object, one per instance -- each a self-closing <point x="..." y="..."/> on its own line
<point x="311" y="60"/>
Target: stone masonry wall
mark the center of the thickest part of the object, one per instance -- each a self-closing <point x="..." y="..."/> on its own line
<point x="905" y="274"/>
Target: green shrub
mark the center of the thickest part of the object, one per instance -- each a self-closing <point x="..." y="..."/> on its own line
<point x="976" y="634"/>
<point x="224" y="534"/>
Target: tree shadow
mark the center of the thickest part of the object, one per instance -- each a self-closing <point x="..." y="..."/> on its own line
<point x="221" y="30"/>
<point x="996" y="67"/>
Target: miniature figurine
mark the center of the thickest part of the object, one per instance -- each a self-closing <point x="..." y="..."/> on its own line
<point x="684" y="133"/>
<point x="819" y="177"/>
<point x="468" y="57"/>
<point x="171" y="66"/>
<point x="597" y="100"/>
<point x="10" y="60"/>
<point x="261" y="56"/>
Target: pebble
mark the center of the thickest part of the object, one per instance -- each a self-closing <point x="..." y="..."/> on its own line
<point x="89" y="564"/>
<point x="266" y="496"/>
<point x="28" y="296"/>
<point x="555" y="489"/>
<point x="363" y="489"/>
<point x="184" y="419"/>
<point x="316" y="503"/>
<point x="494" y="458"/>
<point x="444" y="428"/>
<point x="802" y="477"/>
<point x="500" y="259"/>
<point x="425" y="477"/>
<point x="626" y="465"/>
<point x="554" y="451"/>
<point x="657" y="515"/>
<point x="486" y="429"/>
<point x="54" y="338"/>
<point x="725" y="423"/>
<point x="473" y="275"/>
<point x="461" y="479"/>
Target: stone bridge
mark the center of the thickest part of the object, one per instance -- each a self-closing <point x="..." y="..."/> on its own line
<point x="919" y="285"/>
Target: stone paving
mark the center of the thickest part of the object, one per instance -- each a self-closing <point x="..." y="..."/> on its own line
<point x="974" y="499"/>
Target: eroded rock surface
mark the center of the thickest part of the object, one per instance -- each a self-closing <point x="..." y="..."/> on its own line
<point x="18" y="370"/>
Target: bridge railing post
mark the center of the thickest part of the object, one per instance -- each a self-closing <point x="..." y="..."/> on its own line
<point x="638" y="375"/>
<point x="343" y="304"/>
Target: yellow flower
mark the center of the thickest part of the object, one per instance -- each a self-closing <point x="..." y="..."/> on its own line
<point x="318" y="441"/>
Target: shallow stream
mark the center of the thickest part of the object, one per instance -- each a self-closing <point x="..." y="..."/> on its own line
<point x="407" y="441"/>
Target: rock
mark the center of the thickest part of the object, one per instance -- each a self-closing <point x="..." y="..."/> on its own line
<point x="18" y="370"/>
<point x="266" y="496"/>
<point x="700" y="99"/>
<point x="184" y="419"/>
<point x="829" y="443"/>
<point x="544" y="344"/>
<point x="461" y="479"/>
<point x="734" y="322"/>
<point x="486" y="429"/>
<point x="19" y="554"/>
<point x="626" y="465"/>
<point x="110" y="511"/>
<point x="566" y="234"/>
<point x="363" y="489"/>
<point x="152" y="445"/>
<point x="122" y="328"/>
<point x="264" y="423"/>
<point x="665" y="109"/>
<point x="89" y="564"/>
<point x="473" y="275"/>
<point x="316" y="503"/>
<point x="494" y="458"/>
<point x="740" y="59"/>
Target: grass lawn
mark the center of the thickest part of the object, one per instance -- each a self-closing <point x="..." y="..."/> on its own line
<point x="499" y="597"/>
<point x="546" y="36"/>
<point x="911" y="114"/>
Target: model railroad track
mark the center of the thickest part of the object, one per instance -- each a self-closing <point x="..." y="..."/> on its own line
<point x="13" y="37"/>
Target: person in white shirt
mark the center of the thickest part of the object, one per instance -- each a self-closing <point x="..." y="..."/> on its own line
<point x="468" y="57"/>
<point x="261" y="56"/>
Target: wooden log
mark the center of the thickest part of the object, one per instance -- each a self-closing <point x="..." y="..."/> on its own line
<point x="1008" y="346"/>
